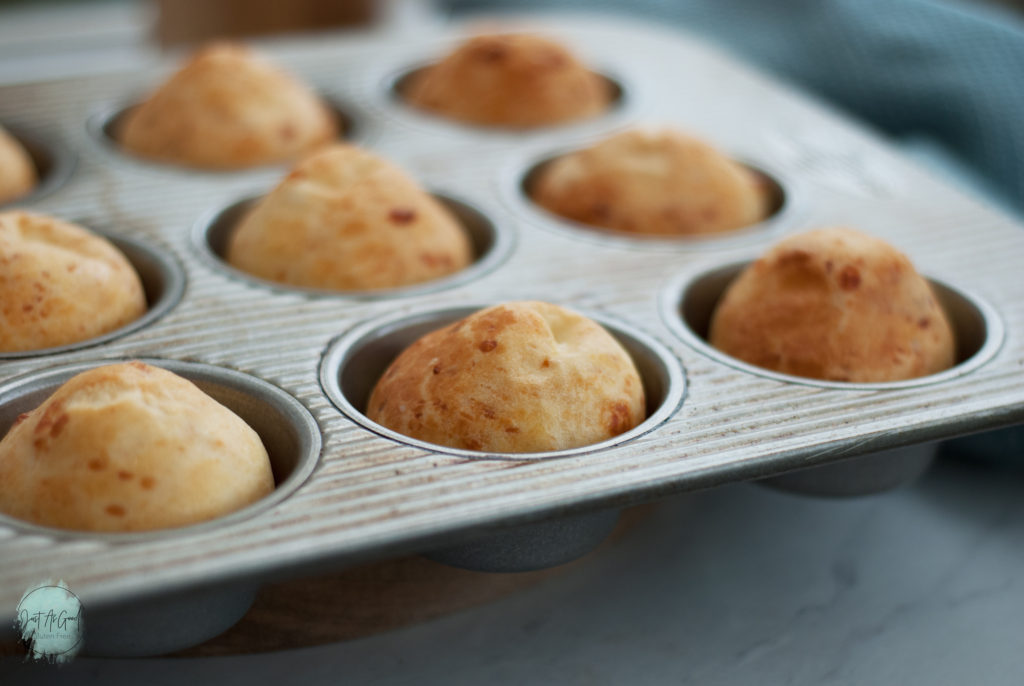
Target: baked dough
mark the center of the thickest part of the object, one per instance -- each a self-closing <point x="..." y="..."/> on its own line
<point x="834" y="304"/>
<point x="17" y="170"/>
<point x="226" y="109"/>
<point x="510" y="80"/>
<point x="512" y="378"/>
<point x="130" y="447"/>
<point x="652" y="182"/>
<point x="61" y="284"/>
<point x="345" y="219"/>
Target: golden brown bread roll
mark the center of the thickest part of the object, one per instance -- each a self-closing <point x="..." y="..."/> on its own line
<point x="17" y="170"/>
<point x="345" y="219"/>
<point x="834" y="304"/>
<point x="227" y="108"/>
<point x="61" y="284"/>
<point x="652" y="182"/>
<point x="513" y="378"/>
<point x="510" y="80"/>
<point x="130" y="447"/>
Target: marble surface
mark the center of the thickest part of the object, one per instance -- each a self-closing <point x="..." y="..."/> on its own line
<point x="737" y="585"/>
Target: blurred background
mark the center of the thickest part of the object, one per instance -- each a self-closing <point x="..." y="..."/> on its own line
<point x="941" y="77"/>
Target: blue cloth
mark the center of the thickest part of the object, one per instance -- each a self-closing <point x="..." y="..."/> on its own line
<point x="942" y="72"/>
<point x="952" y="72"/>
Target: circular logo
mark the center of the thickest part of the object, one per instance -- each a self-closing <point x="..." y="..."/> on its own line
<point x="49" y="621"/>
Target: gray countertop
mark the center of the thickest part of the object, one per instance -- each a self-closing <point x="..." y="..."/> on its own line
<point x="737" y="585"/>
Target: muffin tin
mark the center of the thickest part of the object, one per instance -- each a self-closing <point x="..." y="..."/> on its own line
<point x="368" y="493"/>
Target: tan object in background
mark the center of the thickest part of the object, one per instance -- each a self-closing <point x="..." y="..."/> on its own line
<point x="61" y="284"/>
<point x="130" y="447"/>
<point x="196" y="21"/>
<point x="345" y="219"/>
<point x="513" y="378"/>
<point x="227" y="108"/>
<point x="834" y="304"/>
<point x="652" y="182"/>
<point x="509" y="80"/>
<point x="17" y="171"/>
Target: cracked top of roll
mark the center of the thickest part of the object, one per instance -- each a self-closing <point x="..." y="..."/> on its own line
<point x="130" y="447"/>
<point x="838" y="305"/>
<point x="512" y="378"/>
<point x="512" y="81"/>
<point x="653" y="181"/>
<point x="345" y="219"/>
<point x="227" y="108"/>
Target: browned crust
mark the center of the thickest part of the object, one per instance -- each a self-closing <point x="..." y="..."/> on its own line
<point x="129" y="447"/>
<point x="61" y="284"/>
<point x="345" y="219"/>
<point x="838" y="305"/>
<point x="226" y="108"/>
<point x="516" y="377"/>
<point x="510" y="80"/>
<point x="652" y="182"/>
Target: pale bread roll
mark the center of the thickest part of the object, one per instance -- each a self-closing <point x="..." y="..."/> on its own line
<point x="227" y="108"/>
<point x="130" y="447"/>
<point x="652" y="182"/>
<point x="345" y="219"/>
<point x="61" y="284"/>
<point x="510" y="80"/>
<point x="512" y="378"/>
<point x="834" y="304"/>
<point x="17" y="170"/>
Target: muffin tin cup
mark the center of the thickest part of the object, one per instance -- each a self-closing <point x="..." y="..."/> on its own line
<point x="530" y="547"/>
<point x="491" y="245"/>
<point x="161" y="624"/>
<point x="390" y="99"/>
<point x="689" y="303"/>
<point x="166" y="624"/>
<point x="102" y="123"/>
<point x="520" y="174"/>
<point x="866" y="475"/>
<point x="54" y="162"/>
<point x="163" y="282"/>
<point x="353" y="364"/>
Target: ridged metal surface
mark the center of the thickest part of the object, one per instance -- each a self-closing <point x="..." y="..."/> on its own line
<point x="370" y="496"/>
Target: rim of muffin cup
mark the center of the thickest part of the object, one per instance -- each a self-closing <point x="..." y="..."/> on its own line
<point x="101" y="123"/>
<point x="54" y="162"/>
<point x="689" y="301"/>
<point x="520" y="175"/>
<point x="391" y="94"/>
<point x="492" y="243"/>
<point x="354" y="362"/>
<point x="163" y="283"/>
<point x="286" y="428"/>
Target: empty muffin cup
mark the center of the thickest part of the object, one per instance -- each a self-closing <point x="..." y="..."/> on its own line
<point x="150" y="626"/>
<point x="53" y="161"/>
<point x="782" y="205"/>
<point x="354" y="362"/>
<point x="163" y="282"/>
<point x="689" y="303"/>
<point x="490" y="246"/>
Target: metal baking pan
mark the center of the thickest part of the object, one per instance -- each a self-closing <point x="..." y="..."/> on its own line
<point x="371" y="494"/>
